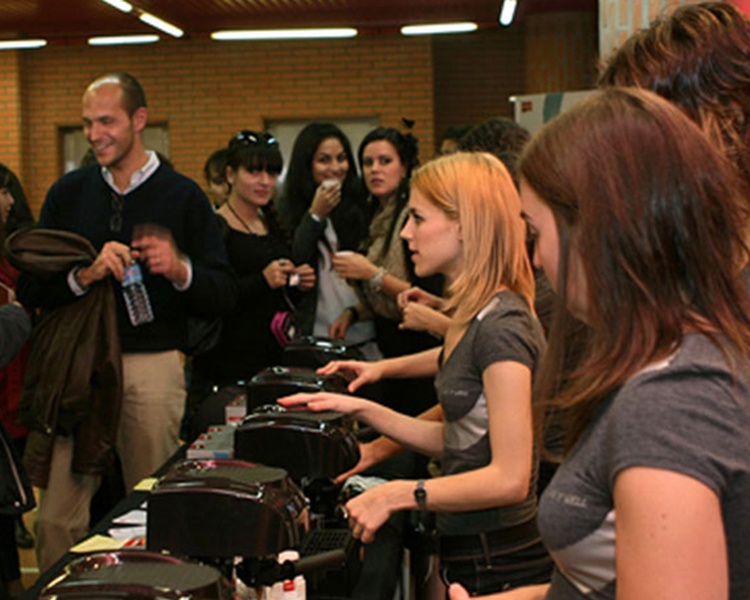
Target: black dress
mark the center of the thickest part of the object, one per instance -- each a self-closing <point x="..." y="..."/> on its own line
<point x="246" y="344"/>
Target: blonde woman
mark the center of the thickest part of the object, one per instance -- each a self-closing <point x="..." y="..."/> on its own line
<point x="464" y="223"/>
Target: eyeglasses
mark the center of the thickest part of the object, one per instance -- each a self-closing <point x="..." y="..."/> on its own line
<point x="115" y="220"/>
<point x="253" y="138"/>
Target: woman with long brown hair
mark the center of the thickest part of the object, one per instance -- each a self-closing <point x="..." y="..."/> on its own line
<point x="639" y="225"/>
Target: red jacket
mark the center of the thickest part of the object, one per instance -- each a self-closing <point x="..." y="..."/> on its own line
<point x="11" y="376"/>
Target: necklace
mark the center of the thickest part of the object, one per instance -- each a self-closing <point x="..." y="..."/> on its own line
<point x="239" y="218"/>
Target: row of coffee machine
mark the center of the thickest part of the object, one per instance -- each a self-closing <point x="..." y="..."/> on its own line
<point x="219" y="523"/>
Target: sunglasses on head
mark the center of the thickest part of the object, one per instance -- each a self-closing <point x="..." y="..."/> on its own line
<point x="253" y="138"/>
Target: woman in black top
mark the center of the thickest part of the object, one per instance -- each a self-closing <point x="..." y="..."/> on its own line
<point x="259" y="253"/>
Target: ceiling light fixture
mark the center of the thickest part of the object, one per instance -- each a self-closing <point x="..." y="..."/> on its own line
<point x="21" y="44"/>
<point x="114" y="40"/>
<point x="125" y="7"/>
<point x="507" y="12"/>
<point x="161" y="24"/>
<point x="438" y="28"/>
<point x="283" y="34"/>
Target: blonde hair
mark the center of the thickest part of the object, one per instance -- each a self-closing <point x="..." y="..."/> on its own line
<point x="475" y="189"/>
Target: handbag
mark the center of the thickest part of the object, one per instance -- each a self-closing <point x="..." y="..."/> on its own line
<point x="284" y="324"/>
<point x="16" y="496"/>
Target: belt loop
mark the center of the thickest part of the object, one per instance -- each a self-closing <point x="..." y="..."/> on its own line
<point x="485" y="548"/>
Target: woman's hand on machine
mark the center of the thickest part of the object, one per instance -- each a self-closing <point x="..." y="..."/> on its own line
<point x="371" y="509"/>
<point x="320" y="401"/>
<point x="359" y="372"/>
<point x="367" y="457"/>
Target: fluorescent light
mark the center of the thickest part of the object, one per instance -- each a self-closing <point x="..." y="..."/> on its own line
<point x="464" y="27"/>
<point x="120" y="5"/>
<point x="161" y="24"/>
<point x="114" y="40"/>
<point x="507" y="12"/>
<point x="283" y="34"/>
<point x="21" y="44"/>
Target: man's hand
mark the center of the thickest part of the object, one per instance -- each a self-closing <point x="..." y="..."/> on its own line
<point x="155" y="247"/>
<point x="113" y="259"/>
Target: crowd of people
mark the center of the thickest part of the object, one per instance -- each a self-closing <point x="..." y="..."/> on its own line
<point x="560" y="322"/>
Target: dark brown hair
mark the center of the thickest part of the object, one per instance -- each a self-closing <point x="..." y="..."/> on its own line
<point x="652" y="211"/>
<point x="699" y="59"/>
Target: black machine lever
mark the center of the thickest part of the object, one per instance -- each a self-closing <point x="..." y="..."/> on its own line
<point x="270" y="571"/>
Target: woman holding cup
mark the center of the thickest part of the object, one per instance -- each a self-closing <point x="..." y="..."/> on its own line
<point x="324" y="206"/>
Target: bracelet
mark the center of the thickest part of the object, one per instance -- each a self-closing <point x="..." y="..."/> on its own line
<point x="355" y="313"/>
<point x="376" y="281"/>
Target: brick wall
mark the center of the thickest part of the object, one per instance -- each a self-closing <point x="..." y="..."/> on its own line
<point x="475" y="74"/>
<point x="561" y="52"/>
<point x="205" y="91"/>
<point x="10" y="110"/>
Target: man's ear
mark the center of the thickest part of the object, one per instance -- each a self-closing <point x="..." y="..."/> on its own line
<point x="140" y="118"/>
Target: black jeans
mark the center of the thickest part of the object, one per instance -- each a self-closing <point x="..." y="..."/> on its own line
<point x="495" y="561"/>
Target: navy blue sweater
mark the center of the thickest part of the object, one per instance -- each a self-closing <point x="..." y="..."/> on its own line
<point x="83" y="203"/>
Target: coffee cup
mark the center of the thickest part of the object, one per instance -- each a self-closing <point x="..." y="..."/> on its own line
<point x="331" y="183"/>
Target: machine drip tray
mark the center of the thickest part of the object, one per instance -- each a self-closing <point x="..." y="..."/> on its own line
<point x="337" y="581"/>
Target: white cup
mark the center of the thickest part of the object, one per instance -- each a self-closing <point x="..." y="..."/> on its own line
<point x="331" y="183"/>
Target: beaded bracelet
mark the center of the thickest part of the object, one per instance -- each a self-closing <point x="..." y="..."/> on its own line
<point x="376" y="281"/>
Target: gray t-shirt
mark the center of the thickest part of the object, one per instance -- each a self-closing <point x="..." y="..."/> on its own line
<point x="505" y="330"/>
<point x="689" y="414"/>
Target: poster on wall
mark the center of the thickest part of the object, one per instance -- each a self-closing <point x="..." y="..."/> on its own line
<point x="534" y="110"/>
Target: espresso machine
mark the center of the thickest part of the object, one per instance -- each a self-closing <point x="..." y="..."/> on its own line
<point x="275" y="494"/>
